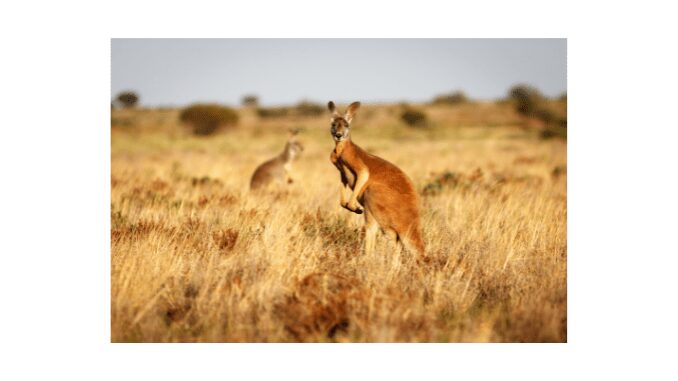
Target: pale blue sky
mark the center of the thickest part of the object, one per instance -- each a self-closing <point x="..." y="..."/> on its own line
<point x="284" y="71"/>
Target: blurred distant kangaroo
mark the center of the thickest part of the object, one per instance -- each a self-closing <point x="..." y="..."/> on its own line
<point x="382" y="189"/>
<point x="277" y="170"/>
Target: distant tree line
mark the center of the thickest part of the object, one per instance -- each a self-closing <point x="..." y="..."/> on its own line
<point x="206" y="119"/>
<point x="302" y="109"/>
<point x="453" y="98"/>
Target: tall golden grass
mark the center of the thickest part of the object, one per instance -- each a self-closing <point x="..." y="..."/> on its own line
<point x="196" y="258"/>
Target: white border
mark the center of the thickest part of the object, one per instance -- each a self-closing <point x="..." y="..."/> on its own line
<point x="55" y="166"/>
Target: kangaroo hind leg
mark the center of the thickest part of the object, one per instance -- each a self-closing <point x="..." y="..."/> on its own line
<point x="371" y="229"/>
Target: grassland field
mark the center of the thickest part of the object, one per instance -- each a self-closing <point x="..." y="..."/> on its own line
<point x="195" y="257"/>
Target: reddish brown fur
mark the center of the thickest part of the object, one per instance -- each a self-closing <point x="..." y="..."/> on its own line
<point x="388" y="196"/>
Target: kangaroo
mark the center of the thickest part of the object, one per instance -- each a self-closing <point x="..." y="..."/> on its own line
<point x="375" y="187"/>
<point x="278" y="168"/>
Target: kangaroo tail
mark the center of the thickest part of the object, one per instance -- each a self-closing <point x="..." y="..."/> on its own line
<point x="413" y="241"/>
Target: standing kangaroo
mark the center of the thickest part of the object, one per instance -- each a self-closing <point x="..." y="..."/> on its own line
<point x="372" y="185"/>
<point x="278" y="168"/>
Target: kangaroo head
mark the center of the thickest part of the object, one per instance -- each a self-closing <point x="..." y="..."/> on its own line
<point x="293" y="148"/>
<point x="340" y="127"/>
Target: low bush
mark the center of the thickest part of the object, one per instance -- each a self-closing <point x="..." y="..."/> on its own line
<point x="206" y="119"/>
<point x="556" y="129"/>
<point x="413" y="117"/>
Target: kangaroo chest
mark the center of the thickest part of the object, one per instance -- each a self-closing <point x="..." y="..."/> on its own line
<point x="347" y="173"/>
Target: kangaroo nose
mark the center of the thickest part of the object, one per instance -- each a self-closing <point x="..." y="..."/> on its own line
<point x="337" y="135"/>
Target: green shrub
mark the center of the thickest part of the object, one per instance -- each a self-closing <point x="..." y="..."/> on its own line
<point x="413" y="117"/>
<point x="206" y="119"/>
<point x="453" y="98"/>
<point x="127" y="99"/>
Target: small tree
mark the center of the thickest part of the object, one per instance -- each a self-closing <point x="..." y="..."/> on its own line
<point x="527" y="99"/>
<point x="532" y="104"/>
<point x="206" y="119"/>
<point x="250" y="100"/>
<point x="128" y="99"/>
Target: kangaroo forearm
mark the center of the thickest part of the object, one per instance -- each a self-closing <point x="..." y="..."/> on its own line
<point x="360" y="184"/>
<point x="345" y="194"/>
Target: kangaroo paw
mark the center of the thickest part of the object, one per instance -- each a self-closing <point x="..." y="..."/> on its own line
<point x="356" y="210"/>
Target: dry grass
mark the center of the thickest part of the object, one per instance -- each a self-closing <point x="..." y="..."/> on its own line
<point x="194" y="257"/>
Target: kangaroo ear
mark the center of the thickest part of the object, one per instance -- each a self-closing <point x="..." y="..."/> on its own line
<point x="293" y="133"/>
<point x="332" y="107"/>
<point x="351" y="110"/>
